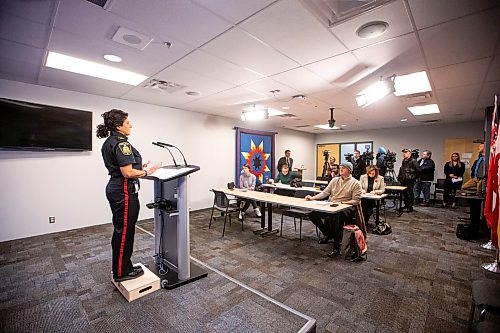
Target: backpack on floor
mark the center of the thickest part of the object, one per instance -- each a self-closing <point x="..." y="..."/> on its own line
<point x="353" y="244"/>
<point x="382" y="228"/>
<point x="466" y="231"/>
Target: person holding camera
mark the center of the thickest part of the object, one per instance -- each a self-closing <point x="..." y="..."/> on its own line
<point x="407" y="175"/>
<point x="381" y="165"/>
<point x="359" y="165"/>
<point x="344" y="189"/>
<point x="425" y="178"/>
<point x="248" y="181"/>
<point x="371" y="183"/>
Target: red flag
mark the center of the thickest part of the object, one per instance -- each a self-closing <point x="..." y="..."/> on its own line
<point x="491" y="206"/>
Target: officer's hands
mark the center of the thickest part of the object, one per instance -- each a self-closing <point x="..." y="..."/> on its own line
<point x="144" y="165"/>
<point x="152" y="168"/>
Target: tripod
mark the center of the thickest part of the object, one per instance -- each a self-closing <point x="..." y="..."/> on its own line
<point x="390" y="176"/>
<point x="326" y="169"/>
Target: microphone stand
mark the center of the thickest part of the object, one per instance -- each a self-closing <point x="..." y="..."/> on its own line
<point x="162" y="145"/>
<point x="169" y="145"/>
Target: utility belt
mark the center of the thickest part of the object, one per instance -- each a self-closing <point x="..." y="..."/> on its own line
<point x="133" y="185"/>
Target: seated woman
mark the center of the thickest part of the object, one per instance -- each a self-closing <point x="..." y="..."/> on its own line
<point x="247" y="181"/>
<point x="454" y="171"/>
<point x="373" y="183"/>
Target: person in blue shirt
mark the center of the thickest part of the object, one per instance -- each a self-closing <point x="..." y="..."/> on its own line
<point x="475" y="183"/>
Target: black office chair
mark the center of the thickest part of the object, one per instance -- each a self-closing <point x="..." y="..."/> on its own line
<point x="486" y="297"/>
<point x="226" y="206"/>
<point x="308" y="184"/>
<point x="297" y="213"/>
<point x="439" y="188"/>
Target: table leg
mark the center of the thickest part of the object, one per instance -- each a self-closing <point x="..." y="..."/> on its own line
<point x="270" y="229"/>
<point x="377" y="212"/>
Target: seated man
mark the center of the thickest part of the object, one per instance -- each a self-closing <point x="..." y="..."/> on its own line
<point x="285" y="176"/>
<point x="344" y="189"/>
<point x="247" y="181"/>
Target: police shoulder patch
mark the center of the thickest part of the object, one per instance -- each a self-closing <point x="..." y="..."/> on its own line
<point x="125" y="148"/>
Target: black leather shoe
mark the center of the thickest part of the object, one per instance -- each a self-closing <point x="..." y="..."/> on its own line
<point x="324" y="240"/>
<point x="334" y="253"/>
<point x="138" y="269"/>
<point x="409" y="209"/>
<point x="130" y="276"/>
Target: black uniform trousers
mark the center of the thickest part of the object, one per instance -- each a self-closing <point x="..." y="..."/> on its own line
<point x="408" y="196"/>
<point x="367" y="206"/>
<point x="125" y="209"/>
<point x="332" y="225"/>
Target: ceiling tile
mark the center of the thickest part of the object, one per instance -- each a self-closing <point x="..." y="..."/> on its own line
<point x="237" y="11"/>
<point x="193" y="81"/>
<point x="340" y="69"/>
<point x="265" y="86"/>
<point x="427" y="13"/>
<point x="183" y="20"/>
<point x="287" y="27"/>
<point x="21" y="52"/>
<point x="494" y="69"/>
<point x="158" y="97"/>
<point x="463" y="74"/>
<point x="206" y="64"/>
<point x="250" y="53"/>
<point x="468" y="38"/>
<point x="489" y="90"/>
<point x="393" y="13"/>
<point x="301" y="80"/>
<point x="22" y="31"/>
<point x="18" y="70"/>
<point x="459" y="94"/>
<point x="236" y="98"/>
<point x="37" y="11"/>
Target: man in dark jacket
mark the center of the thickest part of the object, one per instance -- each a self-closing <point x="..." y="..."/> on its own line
<point x="359" y="166"/>
<point x="408" y="173"/>
<point x="426" y="176"/>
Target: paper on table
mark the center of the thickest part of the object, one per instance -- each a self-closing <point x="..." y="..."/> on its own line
<point x="165" y="173"/>
<point x="456" y="180"/>
<point x="321" y="202"/>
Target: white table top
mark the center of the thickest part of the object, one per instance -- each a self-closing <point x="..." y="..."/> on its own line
<point x="322" y="206"/>
<point x="288" y="187"/>
<point x="322" y="182"/>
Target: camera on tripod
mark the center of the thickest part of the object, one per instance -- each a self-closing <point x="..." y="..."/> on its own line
<point x="367" y="156"/>
<point x="348" y="157"/>
<point x="415" y="153"/>
<point x="326" y="155"/>
<point x="390" y="159"/>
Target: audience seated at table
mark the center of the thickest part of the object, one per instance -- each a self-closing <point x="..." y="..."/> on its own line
<point x="372" y="183"/>
<point x="344" y="189"/>
<point x="247" y="181"/>
<point x="286" y="176"/>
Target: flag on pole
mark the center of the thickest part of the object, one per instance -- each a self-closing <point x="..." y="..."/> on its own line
<point x="491" y="206"/>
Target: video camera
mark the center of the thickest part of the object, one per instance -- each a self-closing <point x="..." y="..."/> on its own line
<point x="348" y="157"/>
<point x="415" y="153"/>
<point x="390" y="159"/>
<point x="367" y="156"/>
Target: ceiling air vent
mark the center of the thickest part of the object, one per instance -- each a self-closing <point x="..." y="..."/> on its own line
<point x="302" y="126"/>
<point x="287" y="115"/>
<point x="131" y="38"/>
<point x="100" y="3"/>
<point x="170" y="87"/>
<point x="417" y="98"/>
<point x="430" y="121"/>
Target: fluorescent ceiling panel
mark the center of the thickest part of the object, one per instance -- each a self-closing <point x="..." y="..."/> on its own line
<point x="327" y="127"/>
<point x="424" y="109"/>
<point x="413" y="83"/>
<point x="84" y="67"/>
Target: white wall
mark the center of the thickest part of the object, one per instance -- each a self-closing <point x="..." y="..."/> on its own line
<point x="429" y="137"/>
<point x="70" y="185"/>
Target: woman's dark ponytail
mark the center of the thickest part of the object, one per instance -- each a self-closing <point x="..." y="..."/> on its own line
<point x="112" y="119"/>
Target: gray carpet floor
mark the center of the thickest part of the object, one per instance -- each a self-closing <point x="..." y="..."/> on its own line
<point x="418" y="279"/>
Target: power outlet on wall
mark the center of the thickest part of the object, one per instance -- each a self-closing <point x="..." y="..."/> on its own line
<point x="52" y="219"/>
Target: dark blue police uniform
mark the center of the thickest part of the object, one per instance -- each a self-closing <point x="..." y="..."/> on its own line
<point x="122" y="194"/>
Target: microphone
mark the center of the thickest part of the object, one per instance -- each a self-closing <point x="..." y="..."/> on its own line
<point x="169" y="145"/>
<point x="159" y="144"/>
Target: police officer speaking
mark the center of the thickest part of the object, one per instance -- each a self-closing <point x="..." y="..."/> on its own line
<point x="124" y="164"/>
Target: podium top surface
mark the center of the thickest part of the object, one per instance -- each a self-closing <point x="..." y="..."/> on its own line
<point x="170" y="172"/>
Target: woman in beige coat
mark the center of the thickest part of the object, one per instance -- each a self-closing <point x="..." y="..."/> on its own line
<point x="371" y="183"/>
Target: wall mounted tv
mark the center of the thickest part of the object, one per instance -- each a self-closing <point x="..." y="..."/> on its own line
<point x="31" y="126"/>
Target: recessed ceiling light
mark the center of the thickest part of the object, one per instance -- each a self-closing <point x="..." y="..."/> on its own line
<point x="413" y="83"/>
<point x="112" y="58"/>
<point x="424" y="109"/>
<point x="372" y="29"/>
<point x="85" y="67"/>
<point x="285" y="107"/>
<point x="192" y="93"/>
<point x="404" y="119"/>
<point x="343" y="125"/>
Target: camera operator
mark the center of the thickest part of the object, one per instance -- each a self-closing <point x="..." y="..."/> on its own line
<point x="359" y="165"/>
<point x="407" y="175"/>
<point x="425" y="178"/>
<point x="332" y="169"/>
<point x="381" y="154"/>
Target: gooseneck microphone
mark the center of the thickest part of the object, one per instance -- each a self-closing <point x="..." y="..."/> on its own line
<point x="169" y="145"/>
<point x="159" y="144"/>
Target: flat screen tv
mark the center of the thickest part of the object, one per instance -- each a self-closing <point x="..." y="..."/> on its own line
<point x="31" y="126"/>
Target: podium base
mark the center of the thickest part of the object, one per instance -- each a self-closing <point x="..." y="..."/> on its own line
<point x="492" y="267"/>
<point x="171" y="280"/>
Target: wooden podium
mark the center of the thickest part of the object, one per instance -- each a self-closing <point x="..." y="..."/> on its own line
<point x="172" y="261"/>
